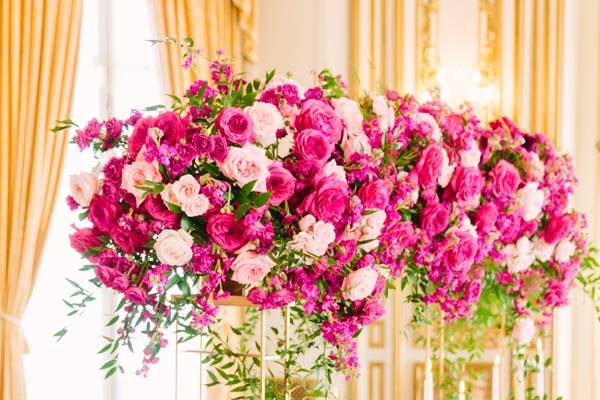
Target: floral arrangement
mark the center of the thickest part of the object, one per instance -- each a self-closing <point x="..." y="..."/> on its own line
<point x="305" y="196"/>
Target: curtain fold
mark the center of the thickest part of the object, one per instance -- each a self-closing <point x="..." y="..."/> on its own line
<point x="39" y="42"/>
<point x="228" y="25"/>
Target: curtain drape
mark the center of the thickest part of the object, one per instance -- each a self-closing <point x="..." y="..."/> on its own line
<point x="39" y="42"/>
<point x="228" y="25"/>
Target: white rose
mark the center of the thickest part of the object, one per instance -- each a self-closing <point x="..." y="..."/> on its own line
<point x="524" y="330"/>
<point x="359" y="284"/>
<point x="198" y="205"/>
<point x="543" y="250"/>
<point x="324" y="232"/>
<point x="470" y="157"/>
<point x="564" y="250"/>
<point x="331" y="168"/>
<point x="266" y="120"/>
<point x="174" y="247"/>
<point x="350" y="113"/>
<point x="83" y="188"/>
<point x="519" y="256"/>
<point x="531" y="201"/>
<point x="385" y="113"/>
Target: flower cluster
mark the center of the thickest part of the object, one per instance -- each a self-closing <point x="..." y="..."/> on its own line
<point x="305" y="195"/>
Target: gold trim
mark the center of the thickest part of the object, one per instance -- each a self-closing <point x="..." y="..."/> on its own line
<point x="376" y="365"/>
<point x="383" y="43"/>
<point x="489" y="58"/>
<point x="377" y="335"/>
<point x="354" y="53"/>
<point x="427" y="57"/>
<point x="396" y="327"/>
<point x="372" y="43"/>
<point x="398" y="66"/>
<point x="519" y="29"/>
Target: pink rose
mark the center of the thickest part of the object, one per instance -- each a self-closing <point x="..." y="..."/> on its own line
<point x="353" y="143"/>
<point x="198" y="205"/>
<point x="429" y="166"/>
<point x="103" y="213"/>
<point x="558" y="228"/>
<point x="505" y="179"/>
<point x="247" y="164"/>
<point x="168" y="196"/>
<point x="139" y="135"/>
<point x="359" y="284"/>
<point x="375" y="194"/>
<point x="435" y="218"/>
<point x="316" y="114"/>
<point x="461" y="255"/>
<point x="185" y="189"/>
<point x="485" y="217"/>
<point x="281" y="183"/>
<point x="129" y="234"/>
<point x="83" y="188"/>
<point x="250" y="268"/>
<point x="172" y="127"/>
<point x="311" y="144"/>
<point x="105" y="274"/>
<point x="371" y="225"/>
<point x="136" y="295"/>
<point x="349" y="111"/>
<point x="135" y="175"/>
<point x="399" y="234"/>
<point x="235" y="125"/>
<point x="174" y="247"/>
<point x="467" y="183"/>
<point x="156" y="208"/>
<point x="266" y="120"/>
<point x="329" y="201"/>
<point x="226" y="232"/>
<point x="82" y="240"/>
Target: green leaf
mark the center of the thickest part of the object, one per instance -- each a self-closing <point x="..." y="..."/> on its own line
<point x="109" y="364"/>
<point x="261" y="199"/>
<point x="154" y="108"/>
<point x="60" y="334"/>
<point x="113" y="320"/>
<point x="241" y="211"/>
<point x="110" y="372"/>
<point x="186" y="224"/>
<point x="104" y="349"/>
<point x="247" y="188"/>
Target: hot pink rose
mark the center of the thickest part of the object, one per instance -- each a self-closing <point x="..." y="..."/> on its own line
<point x="316" y="114"/>
<point x="485" y="217"/>
<point x="435" y="218"/>
<point x="359" y="284"/>
<point x="467" y="183"/>
<point x="225" y="231"/>
<point x="129" y="234"/>
<point x="135" y="175"/>
<point x="247" y="164"/>
<point x="250" y="268"/>
<point x="83" y="188"/>
<point x="505" y="179"/>
<point x="311" y="144"/>
<point x="235" y="125"/>
<point x="401" y="234"/>
<point x="460" y="257"/>
<point x="136" y="295"/>
<point x="103" y="213"/>
<point x="174" y="247"/>
<point x="375" y="194"/>
<point x="171" y="125"/>
<point x="429" y="166"/>
<point x="281" y="183"/>
<point x="139" y="135"/>
<point x="558" y="228"/>
<point x="105" y="274"/>
<point x="329" y="201"/>
<point x="157" y="210"/>
<point x="84" y="239"/>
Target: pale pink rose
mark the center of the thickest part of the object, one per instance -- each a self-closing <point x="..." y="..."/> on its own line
<point x="519" y="256"/>
<point x="471" y="156"/>
<point x="198" y="205"/>
<point x="247" y="164"/>
<point x="359" y="284"/>
<point x="267" y="121"/>
<point x="350" y="113"/>
<point x="168" y="196"/>
<point x="385" y="113"/>
<point x="307" y="242"/>
<point x="370" y="229"/>
<point x="174" y="247"/>
<point x="135" y="174"/>
<point x="250" y="268"/>
<point x="524" y="330"/>
<point x="324" y="232"/>
<point x="531" y="201"/>
<point x="534" y="167"/>
<point x="83" y="188"/>
<point x="436" y="132"/>
<point x="356" y="142"/>
<point x="185" y="189"/>
<point x="543" y="250"/>
<point x="331" y="168"/>
<point x="564" y="251"/>
<point x="307" y="222"/>
<point x="447" y="170"/>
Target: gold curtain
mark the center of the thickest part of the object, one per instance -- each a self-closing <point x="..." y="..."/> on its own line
<point x="228" y="25"/>
<point x="39" y="42"/>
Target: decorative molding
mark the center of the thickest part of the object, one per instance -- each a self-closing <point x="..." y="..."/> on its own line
<point x="376" y="371"/>
<point x="427" y="57"/>
<point x="377" y="335"/>
<point x="489" y="57"/>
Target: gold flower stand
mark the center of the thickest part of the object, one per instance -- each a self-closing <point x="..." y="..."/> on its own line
<point x="242" y="301"/>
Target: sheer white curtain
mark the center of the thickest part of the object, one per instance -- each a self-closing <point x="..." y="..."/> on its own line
<point x="118" y="70"/>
